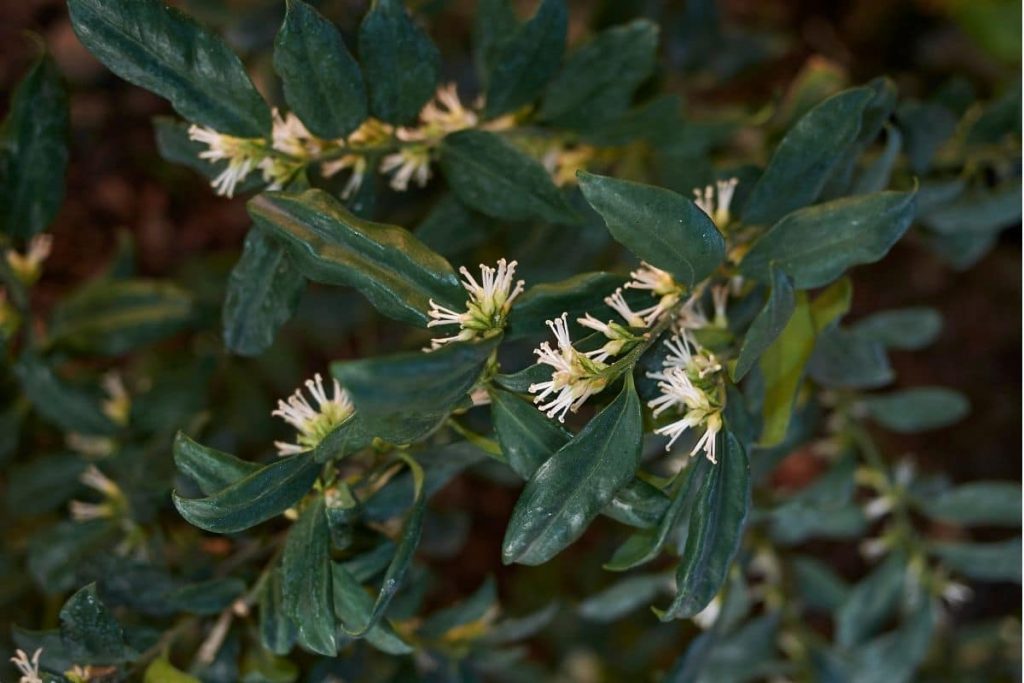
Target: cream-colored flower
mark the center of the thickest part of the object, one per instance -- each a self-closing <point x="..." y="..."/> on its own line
<point x="313" y="423"/>
<point x="576" y="377"/>
<point x="29" y="266"/>
<point x="441" y="116"/>
<point x="716" y="207"/>
<point x="118" y="404"/>
<point x="660" y="284"/>
<point x="411" y="163"/>
<point x="242" y="154"/>
<point x="487" y="308"/>
<point x="28" y="668"/>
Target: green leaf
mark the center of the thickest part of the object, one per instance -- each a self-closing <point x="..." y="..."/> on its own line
<point x="982" y="503"/>
<point x="385" y="263"/>
<point x="322" y="82"/>
<point x="263" y="292"/>
<point x="527" y="436"/>
<point x="659" y="226"/>
<point x="400" y="63"/>
<point x="55" y="554"/>
<point x="211" y="469"/>
<point x="918" y="409"/>
<point x="277" y="632"/>
<point x="66" y="406"/>
<point x="844" y="360"/>
<point x="404" y="397"/>
<point x="598" y="80"/>
<point x="716" y="527"/>
<point x="353" y="604"/>
<point x="768" y="324"/>
<point x="89" y="631"/>
<point x="982" y="561"/>
<point x="573" y="485"/>
<point x="894" y="656"/>
<point x="817" y="244"/>
<point x="576" y="295"/>
<point x="526" y="61"/>
<point x="265" y="493"/>
<point x="906" y="329"/>
<point x="33" y="152"/>
<point x="871" y="602"/>
<point x="467" y="611"/>
<point x="805" y="158"/>
<point x="819" y="585"/>
<point x="160" y="49"/>
<point x="497" y="179"/>
<point x="876" y="176"/>
<point x="408" y="539"/>
<point x="979" y="211"/>
<point x="637" y="504"/>
<point x="624" y="596"/>
<point x="161" y="671"/>
<point x="113" y="317"/>
<point x="174" y="145"/>
<point x="43" y="483"/>
<point x="208" y="597"/>
<point x="306" y="583"/>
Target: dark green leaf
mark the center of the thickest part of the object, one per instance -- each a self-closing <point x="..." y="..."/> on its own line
<point x="33" y="152"/>
<point x="844" y="360"/>
<point x="637" y="504"/>
<point x="112" y="317"/>
<point x="277" y="632"/>
<point x="571" y="488"/>
<point x="386" y="263"/>
<point x="56" y="554"/>
<point x="996" y="503"/>
<point x="158" y="48"/>
<point x="211" y="469"/>
<point x="265" y="493"/>
<point x="526" y="435"/>
<point x="174" y="145"/>
<point x="495" y="22"/>
<point x="688" y="667"/>
<point x="404" y="397"/>
<point x="661" y="227"/>
<point x="353" y="605"/>
<point x="400" y="63"/>
<point x="497" y="179"/>
<point x="802" y="162"/>
<point x="768" y="324"/>
<point x="983" y="211"/>
<point x="69" y="407"/>
<point x="819" y="585"/>
<point x="918" y="409"/>
<point x="526" y="61"/>
<point x="597" y="82"/>
<point x="577" y="296"/>
<point x="451" y="228"/>
<point x="624" y="596"/>
<point x="893" y="657"/>
<point x="907" y="329"/>
<point x="263" y="293"/>
<point x="306" y="583"/>
<point x="43" y="483"/>
<point x="871" y="602"/>
<point x="716" y="526"/>
<point x="982" y="561"/>
<point x="519" y="628"/>
<point x="817" y="244"/>
<point x="89" y="631"/>
<point x="926" y="126"/>
<point x="207" y="598"/>
<point x="472" y="609"/>
<point x="876" y="175"/>
<point x="322" y="82"/>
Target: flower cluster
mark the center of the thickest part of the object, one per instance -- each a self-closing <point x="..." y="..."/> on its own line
<point x="576" y="376"/>
<point x="313" y="423"/>
<point x="661" y="285"/>
<point x="487" y="308"/>
<point x="28" y="267"/>
<point x="689" y="383"/>
<point x="714" y="200"/>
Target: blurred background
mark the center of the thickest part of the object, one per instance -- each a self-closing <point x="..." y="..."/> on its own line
<point x="735" y="55"/>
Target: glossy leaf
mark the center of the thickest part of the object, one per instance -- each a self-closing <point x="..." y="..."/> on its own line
<point x="385" y="263"/>
<point x="68" y="407"/>
<point x="353" y="605"/>
<point x="277" y="632"/>
<point x="918" y="409"/>
<point x="400" y="63"/>
<point x="33" y="152"/>
<point x="801" y="164"/>
<point x="174" y="145"/>
<point x="207" y="597"/>
<point x="526" y="61"/>
<point x="306" y="582"/>
<point x="843" y="360"/>
<point x="211" y="469"/>
<point x="497" y="179"/>
<point x="768" y="324"/>
<point x="624" y="596"/>
<point x="818" y="244"/>
<point x="983" y="503"/>
<point x="576" y="295"/>
<point x="907" y="329"/>
<point x="90" y="632"/>
<point x="982" y="561"/>
<point x="265" y="493"/>
<point x="565" y="493"/>
<point x="160" y="49"/>
<point x="871" y="602"/>
<point x="263" y="292"/>
<point x="322" y="82"/>
<point x="404" y="397"/>
<point x="659" y="226"/>
<point x="716" y="526"/>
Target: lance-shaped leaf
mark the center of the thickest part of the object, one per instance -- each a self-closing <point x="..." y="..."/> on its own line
<point x="211" y="469"/>
<point x="175" y="145"/>
<point x="497" y="179"/>
<point x="624" y="596"/>
<point x="576" y="483"/>
<point x="982" y="561"/>
<point x="902" y="328"/>
<point x="356" y="626"/>
<point x="598" y="80"/>
<point x="768" y="324"/>
<point x="817" y="244"/>
<point x="69" y="407"/>
<point x="844" y="360"/>
<point x="894" y="656"/>
<point x="277" y="632"/>
<point x="265" y="493"/>
<point x="918" y="409"/>
<point x="160" y="49"/>
<point x="306" y="582"/>
<point x="802" y="162"/>
<point x="661" y="227"/>
<point x="263" y="292"/>
<point x="577" y="296"/>
<point x="322" y="82"/>
<point x="385" y="262"/>
<point x="112" y="317"/>
<point x="871" y="602"/>
<point x="404" y="397"/>
<point x="996" y="503"/>
<point x="400" y="62"/>
<point x="33" y="152"/>
<point x="716" y="526"/>
<point x="353" y="604"/>
<point x="525" y="62"/>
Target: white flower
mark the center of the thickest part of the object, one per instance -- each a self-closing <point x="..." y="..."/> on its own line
<point x="878" y="507"/>
<point x="242" y="154"/>
<point x="29" y="668"/>
<point x="29" y="266"/>
<point x="96" y="480"/>
<point x="290" y="136"/>
<point x="490" y="301"/>
<point x="661" y="284"/>
<point x="618" y="337"/>
<point x="699" y="363"/>
<point x="576" y="376"/>
<point x="412" y="162"/>
<point x="118" y="404"/>
<point x="873" y="548"/>
<point x="440" y="116"/>
<point x="956" y="593"/>
<point x="312" y="423"/>
<point x="707" y="617"/>
<point x="717" y="210"/>
<point x="356" y="162"/>
<point x="720" y="297"/>
<point x="617" y="302"/>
